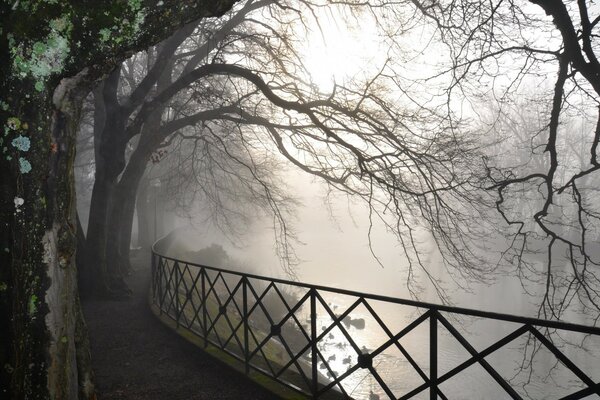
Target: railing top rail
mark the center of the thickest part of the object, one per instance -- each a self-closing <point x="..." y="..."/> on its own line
<point x="593" y="330"/>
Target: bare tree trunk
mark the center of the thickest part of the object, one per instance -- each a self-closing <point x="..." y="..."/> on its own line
<point x="125" y="232"/>
<point x="141" y="206"/>
<point x="95" y="278"/>
<point x="101" y="277"/>
<point x="121" y="218"/>
<point x="121" y="221"/>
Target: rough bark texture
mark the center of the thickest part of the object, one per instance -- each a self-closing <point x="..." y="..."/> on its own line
<point x="52" y="54"/>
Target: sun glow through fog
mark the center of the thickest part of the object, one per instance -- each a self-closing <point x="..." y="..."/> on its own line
<point x="340" y="50"/>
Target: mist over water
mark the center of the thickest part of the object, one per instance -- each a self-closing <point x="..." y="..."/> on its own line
<point x="333" y="249"/>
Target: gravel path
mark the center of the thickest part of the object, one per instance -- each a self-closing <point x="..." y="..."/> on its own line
<point x="136" y="357"/>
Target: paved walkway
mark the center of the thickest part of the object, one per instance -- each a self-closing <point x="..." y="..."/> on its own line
<point x="136" y="357"/>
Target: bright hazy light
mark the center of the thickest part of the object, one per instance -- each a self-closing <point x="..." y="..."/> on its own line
<point x="337" y="51"/>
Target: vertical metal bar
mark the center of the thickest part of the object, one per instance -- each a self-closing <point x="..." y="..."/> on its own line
<point x="433" y="355"/>
<point x="155" y="195"/>
<point x="204" y="323"/>
<point x="178" y="277"/>
<point x="161" y="265"/>
<point x="245" y="320"/>
<point x="153" y="272"/>
<point x="313" y="341"/>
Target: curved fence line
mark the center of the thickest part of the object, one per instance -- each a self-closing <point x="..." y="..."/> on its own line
<point x="309" y="338"/>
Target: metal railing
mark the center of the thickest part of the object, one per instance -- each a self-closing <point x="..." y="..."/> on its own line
<point x="280" y="328"/>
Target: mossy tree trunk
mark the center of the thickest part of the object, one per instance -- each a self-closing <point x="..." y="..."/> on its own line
<point x="52" y="54"/>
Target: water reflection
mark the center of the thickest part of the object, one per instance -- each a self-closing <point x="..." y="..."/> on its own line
<point x="531" y="369"/>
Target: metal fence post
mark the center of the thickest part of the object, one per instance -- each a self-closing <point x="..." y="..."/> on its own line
<point x="178" y="277"/>
<point x="246" y="322"/>
<point x="160" y="284"/>
<point x="313" y="340"/>
<point x="433" y="355"/>
<point x="204" y="322"/>
<point x="153" y="272"/>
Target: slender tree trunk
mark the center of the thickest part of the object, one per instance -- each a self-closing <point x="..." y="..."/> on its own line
<point x="141" y="207"/>
<point x="125" y="231"/>
<point x="95" y="279"/>
<point x="120" y="225"/>
<point x="121" y="218"/>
